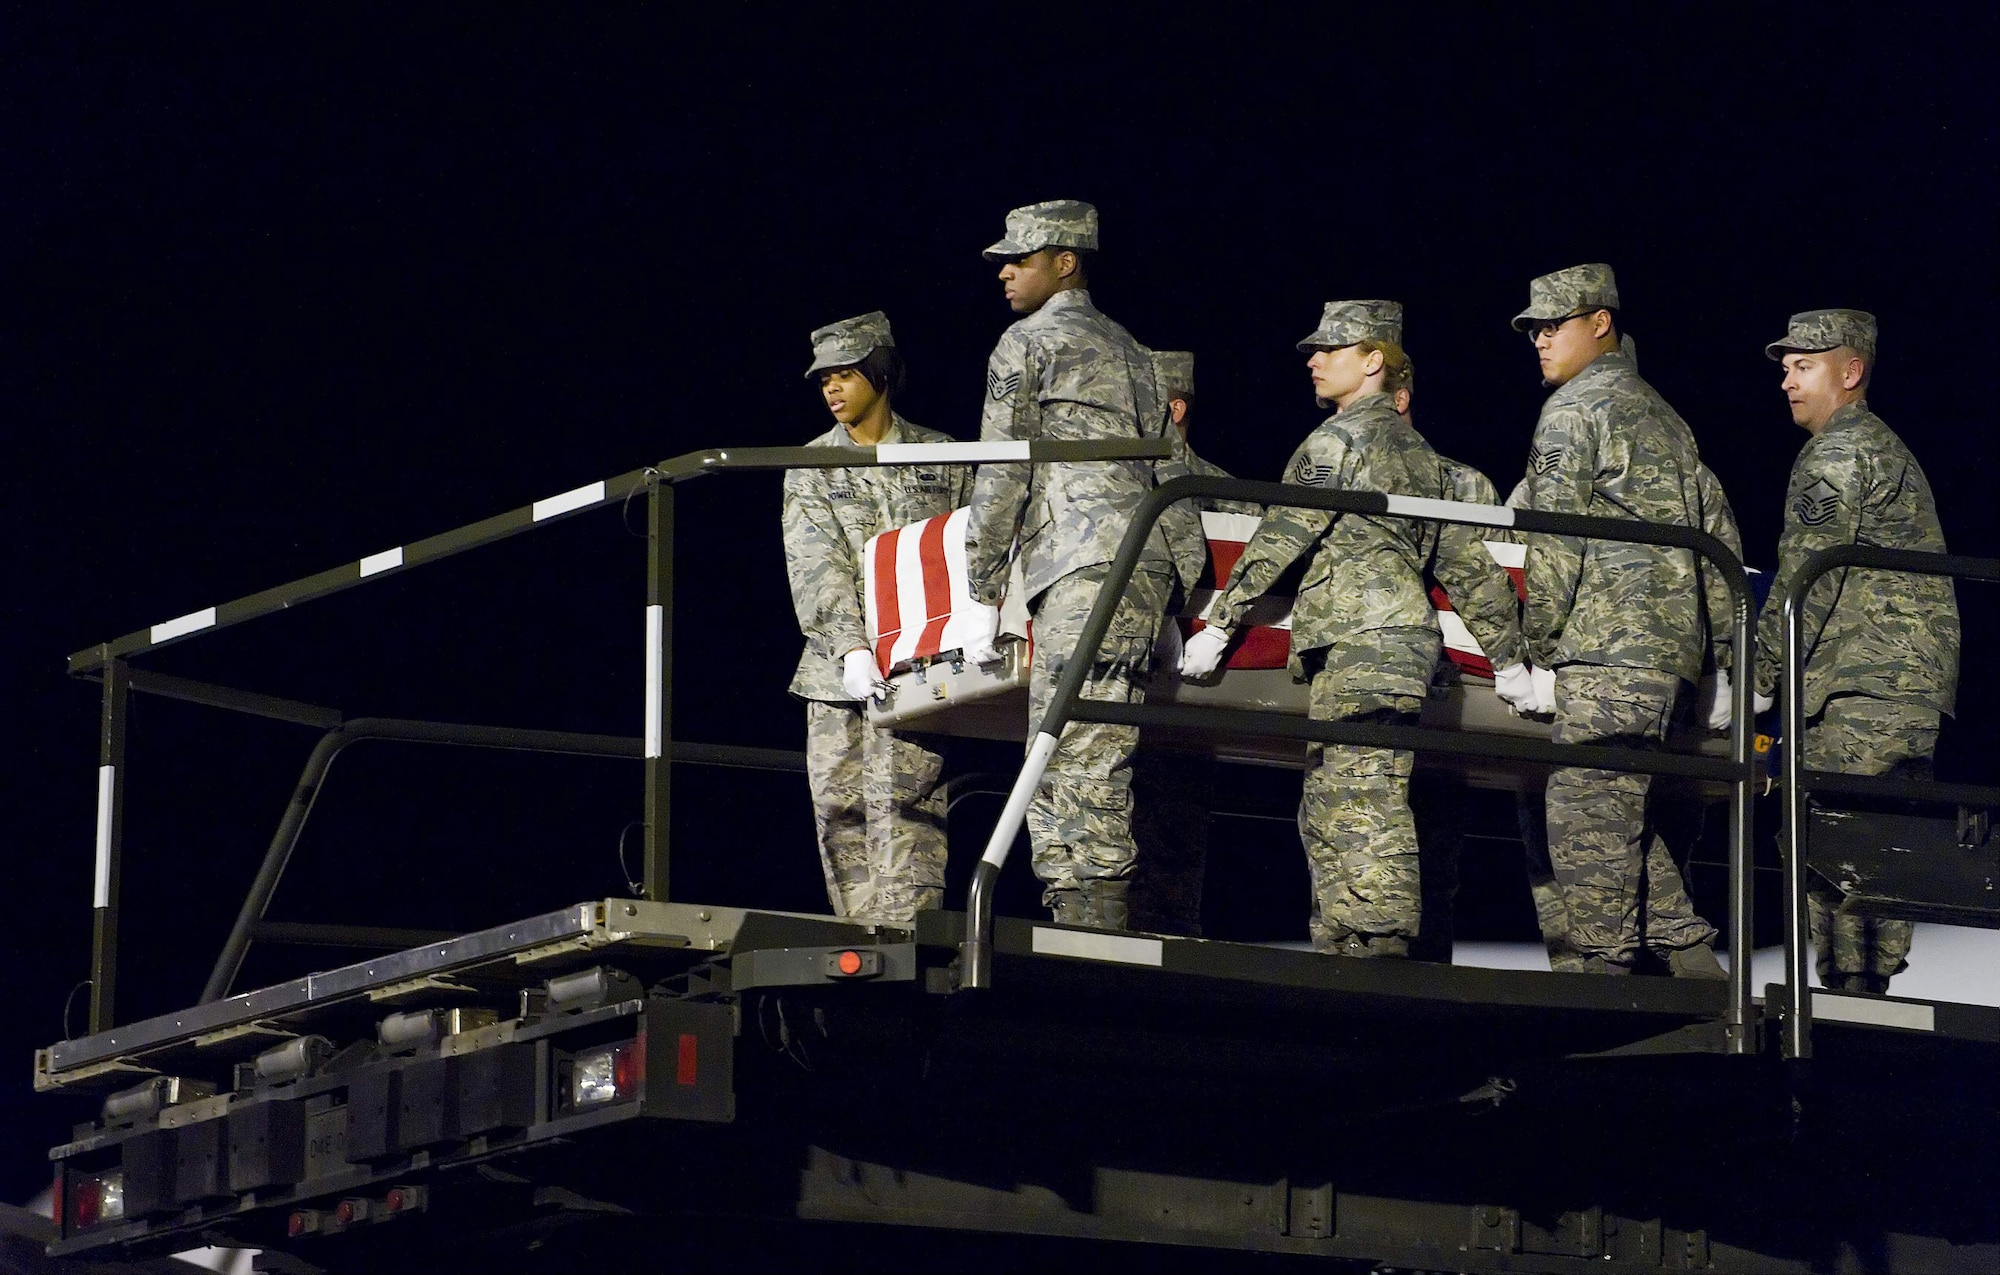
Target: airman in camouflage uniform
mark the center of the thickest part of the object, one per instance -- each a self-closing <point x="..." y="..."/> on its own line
<point x="1881" y="647"/>
<point x="1172" y="788"/>
<point x="1435" y="800"/>
<point x="1668" y="909"/>
<point x="1718" y="519"/>
<point x="877" y="804"/>
<point x="1623" y="625"/>
<point x="1064" y="371"/>
<point x="1363" y="631"/>
<point x="1174" y="370"/>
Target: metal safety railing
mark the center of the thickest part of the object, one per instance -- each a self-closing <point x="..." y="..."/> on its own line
<point x="1800" y="783"/>
<point x="110" y="663"/>
<point x="976" y="951"/>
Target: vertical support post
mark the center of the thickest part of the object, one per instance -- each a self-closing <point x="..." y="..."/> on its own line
<point x="1792" y="710"/>
<point x="110" y="842"/>
<point x="659" y="687"/>
<point x="1742" y="895"/>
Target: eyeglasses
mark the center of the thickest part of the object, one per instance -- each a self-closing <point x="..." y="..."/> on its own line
<point x="1547" y="327"/>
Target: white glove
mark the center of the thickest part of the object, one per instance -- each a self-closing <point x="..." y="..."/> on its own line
<point x="1545" y="691"/>
<point x="1515" y="686"/>
<point x="1201" y="654"/>
<point x="860" y="678"/>
<point x="1761" y="703"/>
<point x="982" y="632"/>
<point x="1723" y="711"/>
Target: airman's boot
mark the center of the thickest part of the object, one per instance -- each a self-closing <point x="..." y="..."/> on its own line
<point x="1695" y="962"/>
<point x="1107" y="902"/>
<point x="1068" y="906"/>
<point x="1375" y="946"/>
<point x="1564" y="959"/>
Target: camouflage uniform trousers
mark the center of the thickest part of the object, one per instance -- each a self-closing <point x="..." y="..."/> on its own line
<point x="1861" y="735"/>
<point x="1354" y="812"/>
<point x="1670" y="918"/>
<point x="1171" y="792"/>
<point x="1603" y="849"/>
<point x="1080" y="819"/>
<point x="880" y="814"/>
<point x="1435" y="803"/>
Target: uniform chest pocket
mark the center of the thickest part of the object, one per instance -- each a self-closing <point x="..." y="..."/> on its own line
<point x="855" y="516"/>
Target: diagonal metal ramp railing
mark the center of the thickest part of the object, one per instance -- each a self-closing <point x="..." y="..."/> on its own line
<point x="976" y="952"/>
<point x="110" y="662"/>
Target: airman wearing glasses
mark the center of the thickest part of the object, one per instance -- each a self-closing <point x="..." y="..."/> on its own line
<point x="1621" y="625"/>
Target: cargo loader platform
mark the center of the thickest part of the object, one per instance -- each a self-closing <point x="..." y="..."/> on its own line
<point x="478" y="1093"/>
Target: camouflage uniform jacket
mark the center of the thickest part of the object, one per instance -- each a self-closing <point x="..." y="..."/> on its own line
<point x="1607" y="445"/>
<point x="1202" y="468"/>
<point x="1363" y="572"/>
<point x="829" y="514"/>
<point x="1067" y="373"/>
<point x="1718" y="520"/>
<point x="1482" y="593"/>
<point x="1876" y="633"/>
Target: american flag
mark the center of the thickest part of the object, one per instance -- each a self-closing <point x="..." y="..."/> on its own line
<point x="915" y="582"/>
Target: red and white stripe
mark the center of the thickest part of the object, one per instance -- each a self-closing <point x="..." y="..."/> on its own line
<point x="915" y="579"/>
<point x="1267" y="643"/>
<point x="1460" y="647"/>
<point x="916" y="585"/>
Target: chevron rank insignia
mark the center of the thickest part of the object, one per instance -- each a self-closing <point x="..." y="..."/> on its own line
<point x="1001" y="386"/>
<point x="1543" y="460"/>
<point x="1816" y="503"/>
<point x="1312" y="475"/>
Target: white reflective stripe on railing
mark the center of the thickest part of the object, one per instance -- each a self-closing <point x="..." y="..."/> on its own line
<point x="1424" y="507"/>
<point x="949" y="453"/>
<point x="192" y="622"/>
<point x="1834" y="1008"/>
<point x="1016" y="811"/>
<point x="376" y="563"/>
<point x="1087" y="945"/>
<point x="656" y="623"/>
<point x="582" y="497"/>
<point x="100" y="889"/>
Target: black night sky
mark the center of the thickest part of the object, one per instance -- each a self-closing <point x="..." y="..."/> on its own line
<point x="282" y="291"/>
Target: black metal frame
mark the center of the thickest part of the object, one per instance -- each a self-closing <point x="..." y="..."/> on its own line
<point x="977" y="950"/>
<point x="1800" y="782"/>
<point x="110" y="663"/>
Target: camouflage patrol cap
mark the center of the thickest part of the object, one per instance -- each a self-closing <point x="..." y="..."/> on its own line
<point x="1351" y="322"/>
<point x="1054" y="223"/>
<point x="1824" y="330"/>
<point x="849" y="341"/>
<point x="1573" y="291"/>
<point x="1174" y="370"/>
